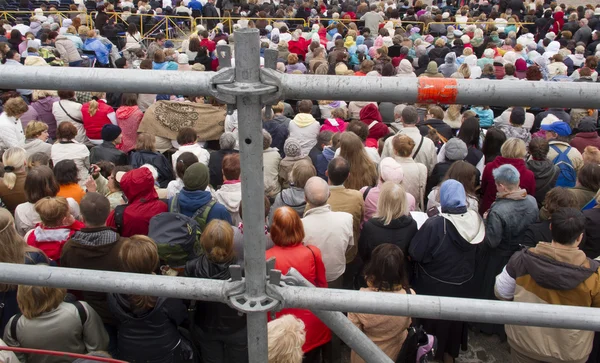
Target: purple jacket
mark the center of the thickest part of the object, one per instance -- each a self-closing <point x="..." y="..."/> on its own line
<point x="41" y="110"/>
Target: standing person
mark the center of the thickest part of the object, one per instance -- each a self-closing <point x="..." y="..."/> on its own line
<point x="220" y="330"/>
<point x="12" y="184"/>
<point x="304" y="127"/>
<point x="362" y="168"/>
<point x="544" y="171"/>
<point x="415" y="174"/>
<point x="330" y="231"/>
<point x="444" y="251"/>
<point x="287" y="234"/>
<point x="567" y="158"/>
<point x="372" y="19"/>
<point x="515" y="127"/>
<point x="386" y="272"/>
<point x="148" y="326"/>
<point x="525" y="279"/>
<point x="12" y="130"/>
<point x="506" y="221"/>
<point x="41" y="110"/>
<point x="95" y="115"/>
<point x="145" y="153"/>
<point x="107" y="151"/>
<point x="129" y="116"/>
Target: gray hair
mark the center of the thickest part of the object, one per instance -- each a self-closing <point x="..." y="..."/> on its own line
<point x="227" y="141"/>
<point x="267" y="139"/>
<point x="316" y="191"/>
<point x="507" y="175"/>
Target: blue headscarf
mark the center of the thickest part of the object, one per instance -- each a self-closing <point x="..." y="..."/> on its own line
<point x="453" y="198"/>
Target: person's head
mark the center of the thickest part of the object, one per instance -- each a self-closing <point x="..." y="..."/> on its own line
<point x="286" y="336"/>
<point x="338" y="171"/>
<point x="557" y="198"/>
<point x="517" y="116"/>
<point x="12" y="248"/>
<point x="591" y="154"/>
<point x="301" y="172"/>
<point x="66" y="172"/>
<point x="385" y="271"/>
<point x="316" y="192"/>
<point x="187" y="136"/>
<point x="538" y="148"/>
<point x="129" y="99"/>
<point x="231" y="167"/>
<point x="514" y="148"/>
<point x="15" y="107"/>
<point x="267" y="139"/>
<point x="360" y="129"/>
<point x="217" y="241"/>
<point x="392" y="202"/>
<point x="286" y="229"/>
<point x="14" y="160"/>
<point x="66" y="131"/>
<point x="435" y="112"/>
<point x="115" y="176"/>
<point x="367" y="66"/>
<point x="403" y="145"/>
<point x="37" y="159"/>
<point x="567" y="226"/>
<point x="36" y="130"/>
<point x="40" y="183"/>
<point x="305" y="106"/>
<point x="111" y="133"/>
<point x="507" y="178"/>
<point x="227" y="141"/>
<point x="160" y="39"/>
<point x="53" y="211"/>
<point x="196" y="177"/>
<point x="410" y="116"/>
<point x="558" y="130"/>
<point x="94" y="208"/>
<point x="184" y="160"/>
<point x="324" y="139"/>
<point x="139" y="254"/>
<point x="292" y="147"/>
<point x="456" y="149"/>
<point x="145" y="142"/>
<point x="33" y="301"/>
<point x="465" y="173"/>
<point x="589" y="176"/>
<point x="469" y="132"/>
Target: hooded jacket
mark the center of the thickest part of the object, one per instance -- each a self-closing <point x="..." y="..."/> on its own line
<point x="546" y="174"/>
<point x="422" y="63"/>
<point x="41" y="110"/>
<point x="432" y="71"/>
<point x="192" y="200"/>
<point x="370" y="116"/>
<point x="138" y="187"/>
<point x="305" y="129"/>
<point x="148" y="335"/>
<point x="214" y="317"/>
<point x="449" y="66"/>
<point x="399" y="232"/>
<point x="292" y="197"/>
<point x="548" y="274"/>
<point x="67" y="49"/>
<point x="230" y="196"/>
<point x="129" y="119"/>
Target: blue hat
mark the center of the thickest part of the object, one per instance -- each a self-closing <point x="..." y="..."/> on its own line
<point x="561" y="128"/>
<point x="169" y="44"/>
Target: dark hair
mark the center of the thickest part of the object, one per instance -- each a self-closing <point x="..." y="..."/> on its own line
<point x="469" y="132"/>
<point x="183" y="162"/>
<point x="106" y="168"/>
<point x="589" y="176"/>
<point x="231" y="166"/>
<point x="465" y="173"/>
<point x="132" y="29"/>
<point x="538" y="148"/>
<point x="146" y="64"/>
<point x="566" y="225"/>
<point x="65" y="172"/>
<point x="359" y="128"/>
<point x="509" y="69"/>
<point x="40" y="183"/>
<point x="37" y="159"/>
<point x="66" y="130"/>
<point x="117" y="169"/>
<point x="324" y="137"/>
<point x="194" y="45"/>
<point x="94" y="208"/>
<point x="160" y="36"/>
<point x="66" y="95"/>
<point x="494" y="138"/>
<point x="129" y="99"/>
<point x="187" y="135"/>
<point x="533" y="73"/>
<point x="559" y="197"/>
<point x="338" y="170"/>
<point x="305" y="106"/>
<point x="385" y="270"/>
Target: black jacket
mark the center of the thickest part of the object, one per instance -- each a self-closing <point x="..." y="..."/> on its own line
<point x="108" y="152"/>
<point x="591" y="245"/>
<point x="100" y="21"/>
<point x="215" y="166"/>
<point x="537" y="232"/>
<point x="214" y="317"/>
<point x="440" y="126"/>
<point x="374" y="233"/>
<point x="156" y="159"/>
<point x="148" y="336"/>
<point x="209" y="10"/>
<point x="204" y="60"/>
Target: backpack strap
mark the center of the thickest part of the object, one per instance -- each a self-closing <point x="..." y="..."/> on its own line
<point x="119" y="215"/>
<point x="366" y="193"/>
<point x="442" y="138"/>
<point x="174" y="206"/>
<point x="202" y="213"/>
<point x="418" y="147"/>
<point x="560" y="153"/>
<point x="80" y="310"/>
<point x="13" y="326"/>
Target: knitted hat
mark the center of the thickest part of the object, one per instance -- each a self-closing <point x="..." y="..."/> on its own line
<point x="196" y="177"/>
<point x="587" y="124"/>
<point x="199" y="67"/>
<point x="517" y="116"/>
<point x="391" y="170"/>
<point x="110" y="132"/>
<point x="456" y="149"/>
<point x="292" y="148"/>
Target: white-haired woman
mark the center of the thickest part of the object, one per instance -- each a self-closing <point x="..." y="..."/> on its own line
<point x="286" y="335"/>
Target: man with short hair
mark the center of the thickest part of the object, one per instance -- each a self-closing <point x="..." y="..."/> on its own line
<point x="330" y="231"/>
<point x="158" y="43"/>
<point x="557" y="134"/>
<point x="531" y="276"/>
<point x="425" y="151"/>
<point x="584" y="33"/>
<point x="323" y="139"/>
<point x="515" y="127"/>
<point x="372" y="19"/>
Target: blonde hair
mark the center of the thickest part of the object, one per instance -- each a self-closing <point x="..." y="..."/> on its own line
<point x="12" y="248"/>
<point x="15" y="106"/>
<point x="513" y="148"/>
<point x="591" y="154"/>
<point x="139" y="254"/>
<point x="278" y="108"/>
<point x="16" y="158"/>
<point x="465" y="70"/>
<point x="217" y="241"/>
<point x="453" y="112"/>
<point x="39" y="94"/>
<point x="145" y="141"/>
<point x="33" y="301"/>
<point x="35" y="129"/>
<point x="339" y="113"/>
<point x="362" y="168"/>
<point x="52" y="210"/>
<point x="83" y="30"/>
<point x="392" y="202"/>
<point x="94" y="104"/>
<point x="286" y="336"/>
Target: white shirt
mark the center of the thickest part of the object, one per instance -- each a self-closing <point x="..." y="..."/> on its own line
<point x="332" y="233"/>
<point x="202" y="154"/>
<point x="74" y="110"/>
<point x="12" y="132"/>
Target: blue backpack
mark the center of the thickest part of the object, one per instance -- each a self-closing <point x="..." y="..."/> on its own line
<point x="568" y="175"/>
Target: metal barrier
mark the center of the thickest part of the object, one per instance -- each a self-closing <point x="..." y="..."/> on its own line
<point x="458" y="24"/>
<point x="264" y="289"/>
<point x="229" y="21"/>
<point x="13" y="15"/>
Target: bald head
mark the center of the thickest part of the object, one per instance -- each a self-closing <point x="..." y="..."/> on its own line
<point x="316" y="191"/>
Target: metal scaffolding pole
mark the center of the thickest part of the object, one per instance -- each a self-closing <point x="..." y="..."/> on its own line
<point x="106" y="80"/>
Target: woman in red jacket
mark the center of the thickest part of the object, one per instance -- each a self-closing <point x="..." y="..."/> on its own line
<point x="370" y="116"/>
<point x="513" y="152"/>
<point x="95" y="115"/>
<point x="287" y="233"/>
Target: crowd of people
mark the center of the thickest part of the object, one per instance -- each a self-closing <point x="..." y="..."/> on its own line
<point x="448" y="200"/>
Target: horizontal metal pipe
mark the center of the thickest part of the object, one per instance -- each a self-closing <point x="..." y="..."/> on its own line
<point x="447" y="308"/>
<point x="105" y="80"/>
<point x="117" y="282"/>
<point x="469" y="92"/>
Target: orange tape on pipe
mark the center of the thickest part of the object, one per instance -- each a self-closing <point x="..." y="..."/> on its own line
<point x="437" y="90"/>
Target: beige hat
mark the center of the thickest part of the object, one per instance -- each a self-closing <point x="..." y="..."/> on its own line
<point x="199" y="67"/>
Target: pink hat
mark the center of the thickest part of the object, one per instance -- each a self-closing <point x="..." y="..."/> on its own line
<point x="390" y="170"/>
<point x="520" y="65"/>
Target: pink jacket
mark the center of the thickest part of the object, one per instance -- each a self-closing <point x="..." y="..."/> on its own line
<point x="334" y="125"/>
<point x="128" y="119"/>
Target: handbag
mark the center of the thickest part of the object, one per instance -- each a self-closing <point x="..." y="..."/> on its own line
<point x="418" y="347"/>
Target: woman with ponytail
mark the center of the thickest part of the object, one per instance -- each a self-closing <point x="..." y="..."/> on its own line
<point x="220" y="332"/>
<point x="148" y="325"/>
<point x="12" y="185"/>
<point x="96" y="114"/>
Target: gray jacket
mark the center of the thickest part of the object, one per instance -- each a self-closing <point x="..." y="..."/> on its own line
<point x="292" y="197"/>
<point x="508" y="219"/>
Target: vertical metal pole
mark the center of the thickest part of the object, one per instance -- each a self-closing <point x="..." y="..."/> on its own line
<point x="247" y="70"/>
